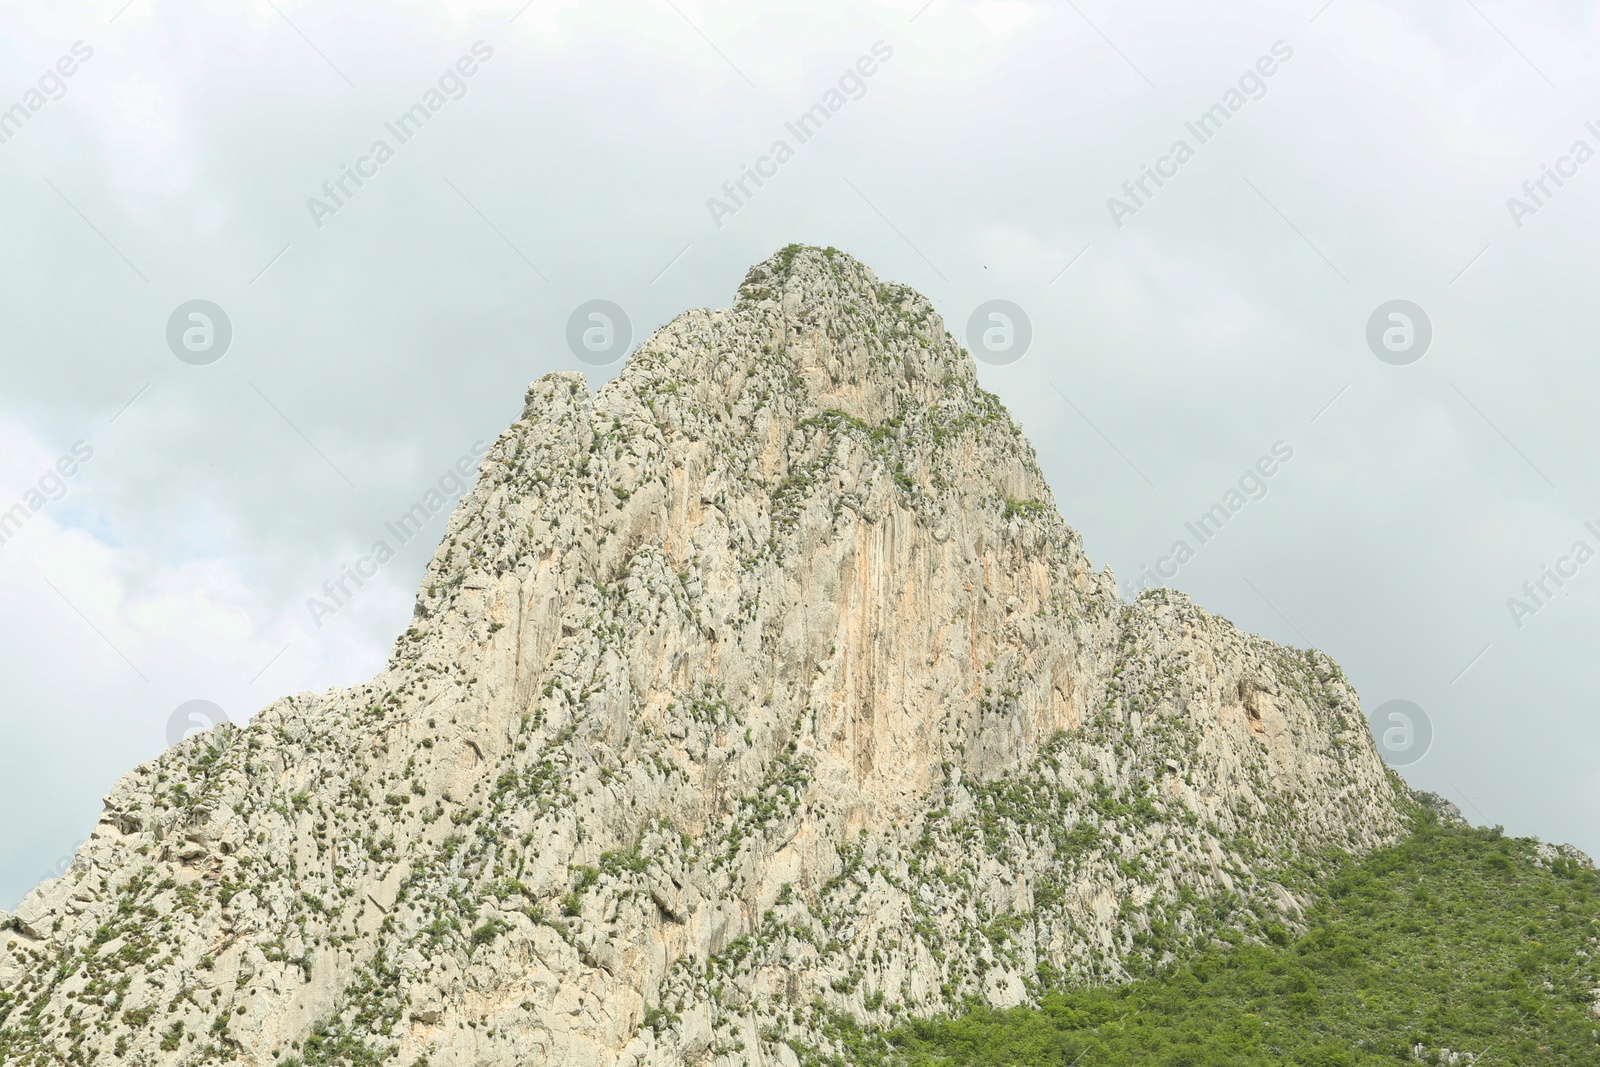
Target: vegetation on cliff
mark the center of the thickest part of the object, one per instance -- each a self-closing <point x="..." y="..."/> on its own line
<point x="1457" y="940"/>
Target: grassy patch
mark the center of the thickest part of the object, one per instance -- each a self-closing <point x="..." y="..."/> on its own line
<point x="1452" y="939"/>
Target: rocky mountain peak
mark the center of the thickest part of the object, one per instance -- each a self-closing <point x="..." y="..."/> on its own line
<point x="766" y="677"/>
<point x="866" y="347"/>
<point x="827" y="300"/>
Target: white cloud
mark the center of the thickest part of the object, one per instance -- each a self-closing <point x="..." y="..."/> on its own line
<point x="375" y="350"/>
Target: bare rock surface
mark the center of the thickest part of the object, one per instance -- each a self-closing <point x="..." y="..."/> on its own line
<point x="762" y="688"/>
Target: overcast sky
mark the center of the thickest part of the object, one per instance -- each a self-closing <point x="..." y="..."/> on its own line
<point x="1178" y="335"/>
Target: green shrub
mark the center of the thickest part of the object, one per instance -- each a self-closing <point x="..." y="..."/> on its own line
<point x="1453" y="938"/>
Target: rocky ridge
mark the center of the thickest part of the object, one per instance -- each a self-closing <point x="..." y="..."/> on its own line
<point x="762" y="693"/>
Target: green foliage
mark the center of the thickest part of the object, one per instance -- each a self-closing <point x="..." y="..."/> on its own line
<point x="572" y="903"/>
<point x="490" y="930"/>
<point x="1028" y="509"/>
<point x="618" y="862"/>
<point x="1452" y="939"/>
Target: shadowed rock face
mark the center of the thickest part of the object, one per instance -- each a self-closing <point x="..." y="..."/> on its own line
<point x="767" y="675"/>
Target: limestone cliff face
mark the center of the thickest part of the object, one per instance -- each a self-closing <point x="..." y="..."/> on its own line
<point x="762" y="686"/>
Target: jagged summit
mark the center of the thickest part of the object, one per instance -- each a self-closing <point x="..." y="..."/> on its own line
<point x="766" y="676"/>
<point x="824" y="316"/>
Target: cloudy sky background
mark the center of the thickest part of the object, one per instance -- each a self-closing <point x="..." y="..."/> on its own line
<point x="370" y="353"/>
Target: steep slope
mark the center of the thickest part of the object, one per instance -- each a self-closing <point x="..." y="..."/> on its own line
<point x="764" y="685"/>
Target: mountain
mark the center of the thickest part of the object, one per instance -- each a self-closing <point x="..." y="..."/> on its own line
<point x="763" y="689"/>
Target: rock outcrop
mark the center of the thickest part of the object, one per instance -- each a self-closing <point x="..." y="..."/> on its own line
<point x="763" y="687"/>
